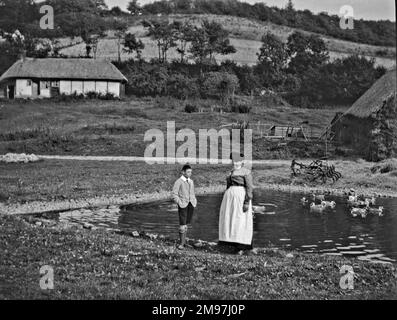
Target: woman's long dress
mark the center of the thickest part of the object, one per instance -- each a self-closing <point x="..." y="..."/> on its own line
<point x="235" y="225"/>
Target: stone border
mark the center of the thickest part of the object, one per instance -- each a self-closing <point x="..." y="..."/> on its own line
<point x="105" y="201"/>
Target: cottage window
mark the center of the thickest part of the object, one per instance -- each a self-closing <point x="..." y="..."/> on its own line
<point x="29" y="83"/>
<point x="55" y="84"/>
<point x="45" y="84"/>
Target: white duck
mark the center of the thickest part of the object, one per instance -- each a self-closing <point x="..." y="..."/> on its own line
<point x="319" y="197"/>
<point x="371" y="201"/>
<point x="378" y="211"/>
<point x="329" y="204"/>
<point x="304" y="201"/>
<point x="258" y="210"/>
<point x="359" y="212"/>
<point x="317" y="208"/>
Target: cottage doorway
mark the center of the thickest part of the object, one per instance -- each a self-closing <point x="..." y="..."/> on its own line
<point x="11" y="92"/>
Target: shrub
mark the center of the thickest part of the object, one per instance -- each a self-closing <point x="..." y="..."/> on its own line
<point x="386" y="166"/>
<point x="240" y="108"/>
<point x="182" y="87"/>
<point x="89" y="95"/>
<point x="219" y="85"/>
<point x="190" y="108"/>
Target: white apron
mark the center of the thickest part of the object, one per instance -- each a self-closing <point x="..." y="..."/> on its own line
<point x="235" y="225"/>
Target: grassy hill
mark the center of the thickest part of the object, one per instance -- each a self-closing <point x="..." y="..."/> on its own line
<point x="245" y="36"/>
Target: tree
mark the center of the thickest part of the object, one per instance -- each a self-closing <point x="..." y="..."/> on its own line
<point x="116" y="11"/>
<point x="131" y="45"/>
<point x="18" y="14"/>
<point x="210" y="39"/>
<point x="120" y="28"/>
<point x="290" y="13"/>
<point x="184" y="34"/>
<point x="94" y="7"/>
<point x="133" y="7"/>
<point x="289" y="6"/>
<point x="306" y="52"/>
<point x="221" y="85"/>
<point x="272" y="61"/>
<point x="164" y="34"/>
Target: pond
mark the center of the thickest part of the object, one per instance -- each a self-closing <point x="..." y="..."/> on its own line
<point x="291" y="226"/>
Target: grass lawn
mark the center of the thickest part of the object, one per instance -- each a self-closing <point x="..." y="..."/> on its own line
<point x="105" y="265"/>
<point x="100" y="265"/>
<point x="60" y="180"/>
<point x="117" y="128"/>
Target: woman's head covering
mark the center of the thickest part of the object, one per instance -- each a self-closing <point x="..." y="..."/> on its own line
<point x="237" y="157"/>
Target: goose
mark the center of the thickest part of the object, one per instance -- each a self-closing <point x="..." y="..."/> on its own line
<point x="319" y="197"/>
<point x="329" y="204"/>
<point x="318" y="208"/>
<point x="261" y="210"/>
<point x="358" y="203"/>
<point x="378" y="211"/>
<point x="359" y="211"/>
<point x="371" y="201"/>
<point x="352" y="198"/>
<point x="304" y="201"/>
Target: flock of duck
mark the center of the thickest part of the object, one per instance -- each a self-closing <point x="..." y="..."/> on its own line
<point x="358" y="204"/>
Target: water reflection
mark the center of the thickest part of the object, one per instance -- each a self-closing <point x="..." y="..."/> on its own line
<point x="293" y="226"/>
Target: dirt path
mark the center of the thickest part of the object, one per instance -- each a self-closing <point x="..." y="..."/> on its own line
<point x="169" y="160"/>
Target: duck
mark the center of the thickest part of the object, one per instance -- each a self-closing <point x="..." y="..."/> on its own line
<point x="358" y="203"/>
<point x="378" y="211"/>
<point x="304" y="201"/>
<point x="371" y="201"/>
<point x="318" y="208"/>
<point x="352" y="192"/>
<point x="329" y="204"/>
<point x="359" y="211"/>
<point x="319" y="197"/>
<point x="262" y="210"/>
<point x="352" y="198"/>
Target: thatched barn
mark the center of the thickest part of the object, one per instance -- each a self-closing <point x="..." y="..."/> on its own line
<point x="369" y="127"/>
<point x="44" y="78"/>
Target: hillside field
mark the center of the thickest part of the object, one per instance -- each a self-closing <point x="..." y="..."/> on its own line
<point x="245" y="36"/>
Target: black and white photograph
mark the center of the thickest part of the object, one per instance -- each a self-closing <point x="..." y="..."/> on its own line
<point x="198" y="155"/>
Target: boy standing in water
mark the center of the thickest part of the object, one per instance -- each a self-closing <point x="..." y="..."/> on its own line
<point x="184" y="197"/>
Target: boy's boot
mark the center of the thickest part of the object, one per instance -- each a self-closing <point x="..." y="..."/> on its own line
<point x="182" y="236"/>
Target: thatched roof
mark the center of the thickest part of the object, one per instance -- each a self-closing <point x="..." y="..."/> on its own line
<point x="56" y="68"/>
<point x="373" y="100"/>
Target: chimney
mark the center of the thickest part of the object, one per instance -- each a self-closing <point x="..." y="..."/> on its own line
<point x="22" y="55"/>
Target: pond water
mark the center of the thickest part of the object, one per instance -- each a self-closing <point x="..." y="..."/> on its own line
<point x="292" y="226"/>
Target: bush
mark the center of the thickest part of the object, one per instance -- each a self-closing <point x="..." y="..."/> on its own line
<point x="190" y="108"/>
<point x="182" y="87"/>
<point x="240" y="108"/>
<point x="386" y="166"/>
<point x="89" y="95"/>
<point x="219" y="85"/>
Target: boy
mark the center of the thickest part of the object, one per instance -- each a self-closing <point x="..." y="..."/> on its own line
<point x="184" y="197"/>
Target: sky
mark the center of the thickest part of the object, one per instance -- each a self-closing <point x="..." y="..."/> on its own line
<point x="363" y="9"/>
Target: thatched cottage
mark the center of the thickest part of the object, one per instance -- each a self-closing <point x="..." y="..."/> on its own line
<point x="369" y="127"/>
<point x="44" y="78"/>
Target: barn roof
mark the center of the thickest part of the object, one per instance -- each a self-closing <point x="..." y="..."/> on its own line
<point x="57" y="68"/>
<point x="373" y="100"/>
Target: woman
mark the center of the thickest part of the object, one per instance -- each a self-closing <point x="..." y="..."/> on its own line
<point x="235" y="225"/>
